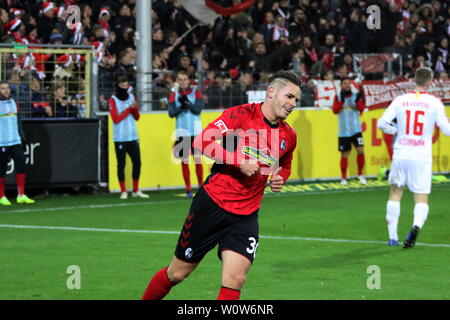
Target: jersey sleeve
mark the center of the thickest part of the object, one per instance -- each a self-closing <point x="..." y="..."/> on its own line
<point x="286" y="160"/>
<point x="115" y="116"/>
<point x="135" y="111"/>
<point x="385" y="122"/>
<point x="441" y="119"/>
<point x="337" y="105"/>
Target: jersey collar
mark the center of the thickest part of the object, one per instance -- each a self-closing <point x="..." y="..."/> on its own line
<point x="270" y="124"/>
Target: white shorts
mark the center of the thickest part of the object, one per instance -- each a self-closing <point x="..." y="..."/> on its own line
<point x="412" y="173"/>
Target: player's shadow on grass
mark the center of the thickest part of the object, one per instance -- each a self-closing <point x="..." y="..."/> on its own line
<point x="357" y="256"/>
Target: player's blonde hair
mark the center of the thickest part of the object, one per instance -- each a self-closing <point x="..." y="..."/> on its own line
<point x="423" y="76"/>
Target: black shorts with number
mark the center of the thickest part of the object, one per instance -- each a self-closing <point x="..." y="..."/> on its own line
<point x="208" y="225"/>
<point x="345" y="143"/>
<point x="14" y="152"/>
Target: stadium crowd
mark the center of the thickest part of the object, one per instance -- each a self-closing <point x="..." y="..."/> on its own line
<point x="235" y="54"/>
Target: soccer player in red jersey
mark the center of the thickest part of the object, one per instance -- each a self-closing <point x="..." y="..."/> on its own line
<point x="257" y="146"/>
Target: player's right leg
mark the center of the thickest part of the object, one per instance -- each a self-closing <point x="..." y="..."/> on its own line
<point x="393" y="213"/>
<point x="4" y="158"/>
<point x="181" y="150"/>
<point x="163" y="281"/>
<point x="201" y="231"/>
<point x="121" y="151"/>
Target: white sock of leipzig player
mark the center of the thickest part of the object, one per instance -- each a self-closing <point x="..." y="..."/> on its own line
<point x="392" y="215"/>
<point x="420" y="214"/>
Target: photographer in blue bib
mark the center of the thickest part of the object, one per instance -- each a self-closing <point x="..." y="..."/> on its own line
<point x="186" y="104"/>
<point x="11" y="139"/>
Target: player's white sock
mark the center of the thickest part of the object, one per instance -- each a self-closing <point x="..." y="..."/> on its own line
<point x="420" y="214"/>
<point x="392" y="215"/>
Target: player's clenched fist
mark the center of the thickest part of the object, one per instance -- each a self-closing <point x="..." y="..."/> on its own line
<point x="276" y="181"/>
<point x="249" y="167"/>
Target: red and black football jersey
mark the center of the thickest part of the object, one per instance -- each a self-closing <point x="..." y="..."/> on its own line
<point x="251" y="136"/>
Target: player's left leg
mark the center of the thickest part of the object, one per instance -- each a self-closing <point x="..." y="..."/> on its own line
<point x="421" y="210"/>
<point x="237" y="250"/>
<point x="135" y="154"/>
<point x="360" y="161"/>
<point x="198" y="163"/>
<point x="234" y="271"/>
<point x="419" y="175"/>
<point x="19" y="163"/>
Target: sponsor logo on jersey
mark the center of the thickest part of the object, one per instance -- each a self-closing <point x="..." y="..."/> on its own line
<point x="262" y="156"/>
<point x="221" y="126"/>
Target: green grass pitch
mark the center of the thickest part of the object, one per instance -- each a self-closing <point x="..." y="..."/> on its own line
<point x="305" y="251"/>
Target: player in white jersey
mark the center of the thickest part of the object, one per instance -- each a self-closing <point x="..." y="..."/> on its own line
<point x="416" y="114"/>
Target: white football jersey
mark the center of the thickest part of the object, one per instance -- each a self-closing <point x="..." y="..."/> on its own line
<point x="416" y="114"/>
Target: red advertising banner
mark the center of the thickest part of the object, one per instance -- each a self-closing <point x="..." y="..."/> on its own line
<point x="379" y="94"/>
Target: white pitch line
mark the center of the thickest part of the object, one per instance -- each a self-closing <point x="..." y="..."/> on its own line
<point x="91" y="206"/>
<point x="132" y="204"/>
<point x="177" y="232"/>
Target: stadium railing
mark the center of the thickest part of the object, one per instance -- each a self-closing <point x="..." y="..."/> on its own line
<point x="43" y="76"/>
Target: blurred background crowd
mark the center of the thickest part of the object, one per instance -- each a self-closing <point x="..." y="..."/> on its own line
<point x="226" y="59"/>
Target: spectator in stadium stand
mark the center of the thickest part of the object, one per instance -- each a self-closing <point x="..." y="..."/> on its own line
<point x="125" y="39"/>
<point x="123" y="19"/>
<point x="383" y="40"/>
<point x="225" y="209"/>
<point x="233" y="92"/>
<point x="310" y="52"/>
<point x="261" y="61"/>
<point x="60" y="105"/>
<point x="443" y="76"/>
<point x="328" y="75"/>
<point x="341" y="72"/>
<point x="408" y="67"/>
<point x="213" y="93"/>
<point x="308" y="94"/>
<point x="442" y="55"/>
<point x="4" y="18"/>
<point x="298" y="26"/>
<point x="357" y="38"/>
<point x="186" y="104"/>
<point x="126" y="65"/>
<point x="40" y="106"/>
<point x="184" y="64"/>
<point x="428" y="52"/>
<point x="11" y="139"/>
<point x="31" y="34"/>
<point x="266" y="27"/>
<point x="46" y="21"/>
<point x="124" y="112"/>
<point x="348" y="106"/>
<point x="278" y="31"/>
<point x="158" y="40"/>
